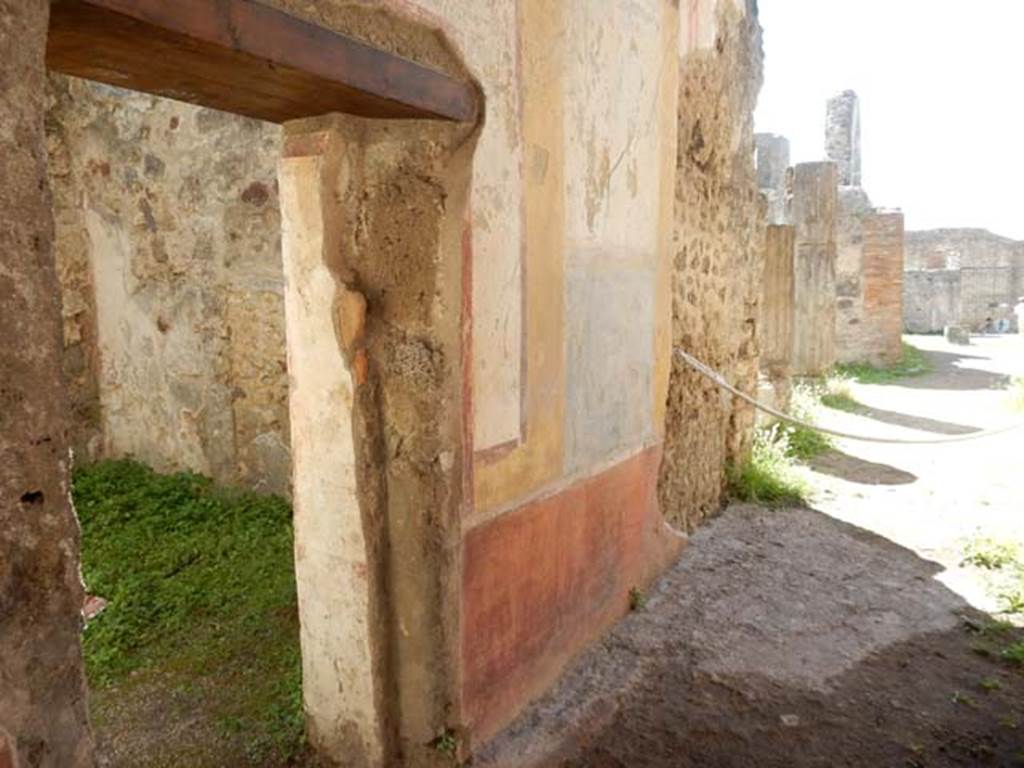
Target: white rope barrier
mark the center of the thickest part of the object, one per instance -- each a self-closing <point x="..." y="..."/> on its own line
<point x="720" y="381"/>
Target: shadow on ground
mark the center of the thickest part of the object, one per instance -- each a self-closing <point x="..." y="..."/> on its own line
<point x="947" y="374"/>
<point x="857" y="470"/>
<point x="915" y="422"/>
<point x="785" y="638"/>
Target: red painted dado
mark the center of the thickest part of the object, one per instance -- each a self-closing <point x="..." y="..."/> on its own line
<point x="544" y="580"/>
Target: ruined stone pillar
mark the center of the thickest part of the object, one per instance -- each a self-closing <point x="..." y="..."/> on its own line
<point x="772" y="161"/>
<point x="814" y="217"/>
<point x="853" y="207"/>
<point x="883" y="285"/>
<point x="777" y="309"/>
<point x="43" y="721"/>
<point x="373" y="216"/>
<point x="842" y="137"/>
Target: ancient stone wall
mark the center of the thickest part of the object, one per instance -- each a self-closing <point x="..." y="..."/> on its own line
<point x="43" y="722"/>
<point x="814" y="216"/>
<point x="718" y="266"/>
<point x="991" y="278"/>
<point x="168" y="251"/>
<point x="931" y="299"/>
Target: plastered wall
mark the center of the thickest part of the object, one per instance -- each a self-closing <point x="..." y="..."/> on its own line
<point x="168" y="252"/>
<point x="509" y="404"/>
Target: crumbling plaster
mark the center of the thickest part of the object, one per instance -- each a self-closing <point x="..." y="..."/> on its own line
<point x="168" y="252"/>
<point x="411" y="462"/>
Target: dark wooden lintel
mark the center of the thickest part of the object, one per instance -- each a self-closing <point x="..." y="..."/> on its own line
<point x="243" y="57"/>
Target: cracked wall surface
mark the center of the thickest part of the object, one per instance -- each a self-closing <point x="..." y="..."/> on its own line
<point x="717" y="266"/>
<point x="168" y="252"/>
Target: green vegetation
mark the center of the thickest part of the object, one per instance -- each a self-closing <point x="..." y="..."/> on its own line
<point x="912" y="363"/>
<point x="842" y="403"/>
<point x="991" y="554"/>
<point x="837" y="394"/>
<point x="989" y="684"/>
<point x="1013" y="601"/>
<point x="962" y="699"/>
<point x="769" y="475"/>
<point x="637" y="600"/>
<point x="201" y="590"/>
<point x="447" y="744"/>
<point x="1006" y="560"/>
<point x="1014" y="654"/>
<point x="804" y="443"/>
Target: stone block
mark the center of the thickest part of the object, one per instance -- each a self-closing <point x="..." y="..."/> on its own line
<point x="957" y="334"/>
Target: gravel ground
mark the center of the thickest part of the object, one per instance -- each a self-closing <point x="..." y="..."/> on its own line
<point x="844" y="635"/>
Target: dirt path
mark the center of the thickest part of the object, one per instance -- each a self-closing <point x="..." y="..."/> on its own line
<point x="828" y="636"/>
<point x="934" y="499"/>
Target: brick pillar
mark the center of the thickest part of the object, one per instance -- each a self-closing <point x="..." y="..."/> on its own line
<point x="42" y="689"/>
<point x="883" y="285"/>
<point x="814" y="217"/>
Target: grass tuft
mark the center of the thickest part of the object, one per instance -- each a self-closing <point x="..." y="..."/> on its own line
<point x="201" y="590"/>
<point x="838" y="395"/>
<point x="991" y="554"/>
<point x="804" y="443"/>
<point x="912" y="363"/>
<point x="1014" y="654"/>
<point x="637" y="599"/>
<point x="768" y="476"/>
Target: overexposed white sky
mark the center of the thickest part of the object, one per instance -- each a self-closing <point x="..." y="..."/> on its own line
<point x="941" y="87"/>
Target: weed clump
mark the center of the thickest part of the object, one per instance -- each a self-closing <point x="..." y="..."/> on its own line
<point x="991" y="554"/>
<point x="911" y="363"/>
<point x="837" y="394"/>
<point x="802" y="442"/>
<point x="769" y="475"/>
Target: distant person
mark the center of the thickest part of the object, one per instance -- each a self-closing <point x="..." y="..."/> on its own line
<point x="1019" y="312"/>
<point x="987" y="326"/>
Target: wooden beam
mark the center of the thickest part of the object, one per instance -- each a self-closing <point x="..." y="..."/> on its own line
<point x="243" y="57"/>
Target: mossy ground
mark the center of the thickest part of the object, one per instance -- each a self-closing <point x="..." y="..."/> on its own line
<point x="202" y="609"/>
